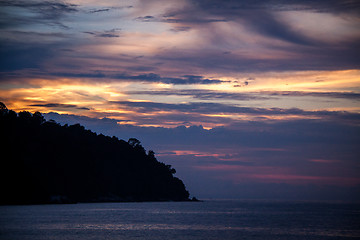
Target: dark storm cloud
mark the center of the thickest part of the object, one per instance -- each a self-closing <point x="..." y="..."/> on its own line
<point x="59" y="105"/>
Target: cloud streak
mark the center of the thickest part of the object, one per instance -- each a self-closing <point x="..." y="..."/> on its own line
<point x="303" y="49"/>
<point x="246" y="96"/>
<point x="106" y="34"/>
<point x="44" y="12"/>
<point x="149" y="77"/>
<point x="205" y="107"/>
<point x="222" y="114"/>
<point x="59" y="106"/>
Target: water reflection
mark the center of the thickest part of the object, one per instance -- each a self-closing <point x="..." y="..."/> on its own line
<point x="178" y="221"/>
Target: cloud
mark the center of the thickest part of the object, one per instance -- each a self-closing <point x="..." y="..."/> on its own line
<point x="57" y="7"/>
<point x="107" y="9"/>
<point x="207" y="107"/>
<point x="201" y="107"/>
<point x="59" y="105"/>
<point x="257" y="17"/>
<point x="317" y="58"/>
<point x="267" y="24"/>
<point x="149" y="77"/>
<point x="26" y="56"/>
<point x="105" y="34"/>
<point x="248" y="96"/>
<point x="218" y="114"/>
<point x="172" y="19"/>
<point x="282" y="44"/>
<point x="346" y="95"/>
<point x="202" y="94"/>
<point x="257" y="36"/>
<point x="180" y="29"/>
<point x="100" y="10"/>
<point x="146" y="19"/>
<point x="231" y="6"/>
<point x="32" y="12"/>
<point x="32" y="35"/>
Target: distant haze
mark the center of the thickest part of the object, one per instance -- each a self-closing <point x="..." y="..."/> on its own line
<point x="297" y="159"/>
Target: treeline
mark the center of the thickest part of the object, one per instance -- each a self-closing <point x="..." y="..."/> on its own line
<point x="44" y="162"/>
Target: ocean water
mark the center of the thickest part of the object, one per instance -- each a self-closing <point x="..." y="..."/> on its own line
<point x="210" y="220"/>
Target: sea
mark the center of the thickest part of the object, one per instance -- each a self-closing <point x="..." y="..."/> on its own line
<point x="210" y="220"/>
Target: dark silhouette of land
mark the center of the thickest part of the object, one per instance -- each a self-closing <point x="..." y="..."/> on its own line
<point x="44" y="162"/>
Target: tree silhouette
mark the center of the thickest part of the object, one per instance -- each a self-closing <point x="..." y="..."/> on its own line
<point x="3" y="108"/>
<point x="50" y="163"/>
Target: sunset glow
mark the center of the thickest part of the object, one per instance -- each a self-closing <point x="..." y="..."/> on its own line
<point x="207" y="84"/>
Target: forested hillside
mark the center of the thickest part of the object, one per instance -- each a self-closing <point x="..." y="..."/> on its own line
<point x="44" y="162"/>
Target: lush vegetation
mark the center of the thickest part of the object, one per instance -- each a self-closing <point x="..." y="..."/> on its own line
<point x="44" y="162"/>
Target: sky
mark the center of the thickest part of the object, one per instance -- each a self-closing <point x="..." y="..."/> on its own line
<point x="245" y="99"/>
